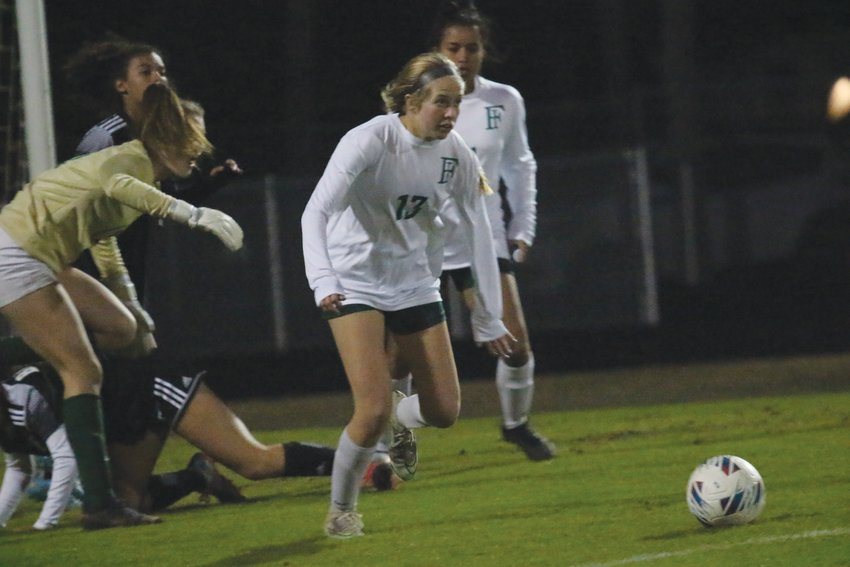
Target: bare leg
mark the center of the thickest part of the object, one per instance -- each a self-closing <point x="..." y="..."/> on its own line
<point x="132" y="466"/>
<point x="428" y="355"/>
<point x="48" y="321"/>
<point x="514" y="319"/>
<point x="211" y="426"/>
<point x="515" y="380"/>
<point x="360" y="340"/>
<point x="112" y="324"/>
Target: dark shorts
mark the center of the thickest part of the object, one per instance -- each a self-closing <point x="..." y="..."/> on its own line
<point x="463" y="278"/>
<point x="136" y="402"/>
<point x="402" y="322"/>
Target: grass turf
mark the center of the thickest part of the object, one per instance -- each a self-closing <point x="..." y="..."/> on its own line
<point x="614" y="496"/>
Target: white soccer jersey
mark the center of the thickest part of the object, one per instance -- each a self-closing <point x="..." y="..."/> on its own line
<point x="372" y="229"/>
<point x="492" y="123"/>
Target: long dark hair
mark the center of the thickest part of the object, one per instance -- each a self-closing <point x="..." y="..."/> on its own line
<point x="462" y="13"/>
<point x="91" y="72"/>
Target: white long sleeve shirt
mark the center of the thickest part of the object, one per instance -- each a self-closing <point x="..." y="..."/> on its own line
<point x="35" y="429"/>
<point x="373" y="231"/>
<point x="492" y="123"/>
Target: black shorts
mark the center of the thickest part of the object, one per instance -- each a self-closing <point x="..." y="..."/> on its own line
<point x="463" y="278"/>
<point x="401" y="322"/>
<point x="142" y="400"/>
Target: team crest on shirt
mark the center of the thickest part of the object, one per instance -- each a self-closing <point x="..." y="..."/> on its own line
<point x="494" y="116"/>
<point x="449" y="167"/>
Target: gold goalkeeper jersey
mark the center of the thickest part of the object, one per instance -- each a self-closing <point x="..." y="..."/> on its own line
<point x="83" y="204"/>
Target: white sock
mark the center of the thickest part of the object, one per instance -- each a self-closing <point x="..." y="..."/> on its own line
<point x="404" y="385"/>
<point x="516" y="390"/>
<point x="350" y="462"/>
<point x="409" y="413"/>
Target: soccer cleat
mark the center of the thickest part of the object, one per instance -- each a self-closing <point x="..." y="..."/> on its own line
<point x="404" y="457"/>
<point x="343" y="525"/>
<point x="535" y="446"/>
<point x="116" y="515"/>
<point x="216" y="484"/>
<point x="380" y="475"/>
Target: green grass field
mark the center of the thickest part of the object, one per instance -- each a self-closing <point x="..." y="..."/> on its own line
<point x="614" y="496"/>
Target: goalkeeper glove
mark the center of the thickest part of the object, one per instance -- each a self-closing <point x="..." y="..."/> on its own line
<point x="208" y="220"/>
<point x="144" y="342"/>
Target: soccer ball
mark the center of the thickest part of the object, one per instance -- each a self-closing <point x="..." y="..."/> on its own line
<point x="725" y="490"/>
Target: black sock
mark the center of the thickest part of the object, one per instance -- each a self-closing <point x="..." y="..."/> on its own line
<point x="166" y="489"/>
<point x="306" y="459"/>
<point x="13" y="350"/>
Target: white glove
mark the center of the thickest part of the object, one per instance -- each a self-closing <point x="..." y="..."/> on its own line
<point x="144" y="342"/>
<point x="209" y="220"/>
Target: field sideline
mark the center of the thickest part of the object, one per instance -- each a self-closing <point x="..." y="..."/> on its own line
<point x="615" y="495"/>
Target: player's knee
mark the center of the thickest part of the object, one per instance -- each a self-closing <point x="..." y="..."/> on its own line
<point x="443" y="421"/>
<point x="117" y="331"/>
<point x="123" y="330"/>
<point x="443" y="415"/>
<point x="373" y="418"/>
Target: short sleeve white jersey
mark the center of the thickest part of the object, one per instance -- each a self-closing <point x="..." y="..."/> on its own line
<point x="492" y="123"/>
<point x="373" y="228"/>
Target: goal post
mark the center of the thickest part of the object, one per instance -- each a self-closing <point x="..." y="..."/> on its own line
<point x="35" y="85"/>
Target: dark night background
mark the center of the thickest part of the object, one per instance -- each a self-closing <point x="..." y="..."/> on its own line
<point x="261" y="67"/>
<point x="735" y="90"/>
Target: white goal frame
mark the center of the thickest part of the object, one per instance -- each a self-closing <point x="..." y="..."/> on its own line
<point x="35" y="86"/>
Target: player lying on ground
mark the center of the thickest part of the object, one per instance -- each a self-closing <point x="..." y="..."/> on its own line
<point x="143" y="401"/>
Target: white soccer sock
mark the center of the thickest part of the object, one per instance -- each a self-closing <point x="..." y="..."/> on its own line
<point x="516" y="390"/>
<point x="350" y="463"/>
<point x="409" y="414"/>
<point x="405" y="386"/>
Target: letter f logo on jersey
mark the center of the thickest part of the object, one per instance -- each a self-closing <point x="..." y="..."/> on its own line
<point x="449" y="166"/>
<point x="494" y="116"/>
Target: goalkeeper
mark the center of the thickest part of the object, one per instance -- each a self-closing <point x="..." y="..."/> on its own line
<point x="83" y="204"/>
<point x="110" y="77"/>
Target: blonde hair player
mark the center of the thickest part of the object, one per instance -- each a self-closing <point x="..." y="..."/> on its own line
<point x="373" y="254"/>
<point x="111" y="77"/>
<point x="83" y="204"/>
<point x="492" y="122"/>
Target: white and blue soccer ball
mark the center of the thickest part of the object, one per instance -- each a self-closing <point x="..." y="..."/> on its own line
<point x="725" y="490"/>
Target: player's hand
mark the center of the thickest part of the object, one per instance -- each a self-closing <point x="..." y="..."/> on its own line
<point x="332" y="303"/>
<point x="220" y="224"/>
<point x="503" y="346"/>
<point x="228" y="168"/>
<point x="519" y="250"/>
<point x="144" y="342"/>
<point x="209" y="220"/>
